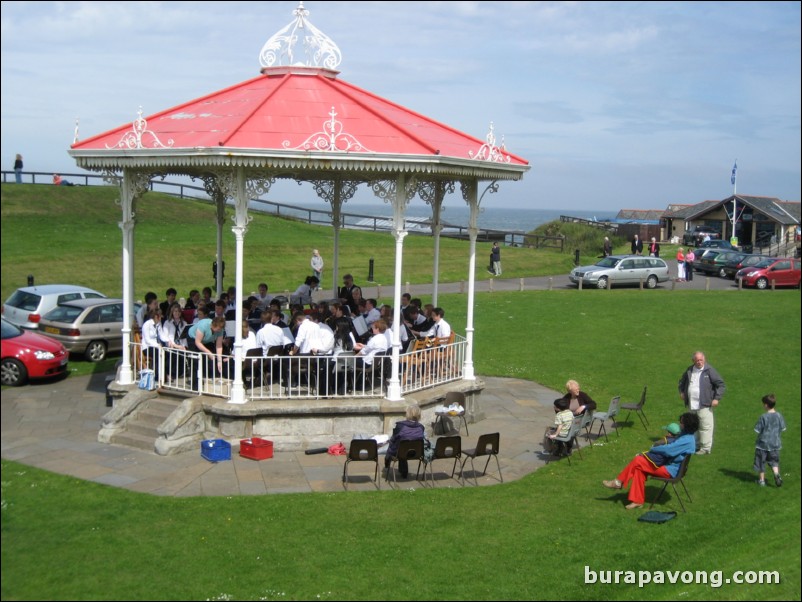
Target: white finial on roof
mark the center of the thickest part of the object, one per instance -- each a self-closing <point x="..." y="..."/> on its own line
<point x="300" y="44"/>
<point x="489" y="151"/>
<point x="140" y="136"/>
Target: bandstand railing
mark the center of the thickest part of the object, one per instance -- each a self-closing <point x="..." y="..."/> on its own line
<point x="301" y="376"/>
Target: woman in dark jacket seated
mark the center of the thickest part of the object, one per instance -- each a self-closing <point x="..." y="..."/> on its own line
<point x="578" y="402"/>
<point x="405" y="430"/>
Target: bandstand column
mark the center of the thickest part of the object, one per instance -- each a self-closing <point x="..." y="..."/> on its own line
<point x="469" y="193"/>
<point x="220" y="202"/>
<point x="126" y="374"/>
<point x="400" y="200"/>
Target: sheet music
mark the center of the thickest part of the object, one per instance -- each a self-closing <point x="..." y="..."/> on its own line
<point x="288" y="338"/>
<point x="231" y="328"/>
<point x="360" y="325"/>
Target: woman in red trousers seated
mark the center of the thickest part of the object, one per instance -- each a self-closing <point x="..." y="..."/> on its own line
<point x="662" y="461"/>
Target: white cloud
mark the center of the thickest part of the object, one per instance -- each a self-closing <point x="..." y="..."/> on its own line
<point x="614" y="104"/>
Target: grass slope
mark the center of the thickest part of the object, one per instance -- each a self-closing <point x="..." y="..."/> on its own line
<point x="71" y="234"/>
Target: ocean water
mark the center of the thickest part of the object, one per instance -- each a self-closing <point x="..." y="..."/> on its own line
<point x="490" y="218"/>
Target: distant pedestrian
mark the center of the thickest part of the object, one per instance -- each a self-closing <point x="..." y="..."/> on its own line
<point x="18" y="169"/>
<point x="768" y="444"/>
<point x="690" y="257"/>
<point x="495" y="258"/>
<point x="608" y="247"/>
<point x="317" y="265"/>
<point x="680" y="265"/>
<point x="637" y="246"/>
<point x="654" y="248"/>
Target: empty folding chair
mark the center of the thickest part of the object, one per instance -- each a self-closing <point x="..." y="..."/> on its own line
<point x="362" y="450"/>
<point x="610" y="414"/>
<point x="638" y="409"/>
<point x="488" y="445"/>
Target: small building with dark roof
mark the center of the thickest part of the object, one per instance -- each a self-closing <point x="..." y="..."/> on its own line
<point x="758" y="219"/>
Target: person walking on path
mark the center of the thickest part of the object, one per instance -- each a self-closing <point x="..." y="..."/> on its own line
<point x="18" y="169"/>
<point x="495" y="258"/>
<point x="701" y="388"/>
<point x="608" y="247"/>
<point x="317" y="266"/>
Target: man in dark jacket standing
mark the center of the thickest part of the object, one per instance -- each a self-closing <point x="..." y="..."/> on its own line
<point x="701" y="388"/>
<point x="637" y="246"/>
<point x="495" y="259"/>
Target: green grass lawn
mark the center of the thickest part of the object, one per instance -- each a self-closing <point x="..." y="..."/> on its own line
<point x="63" y="538"/>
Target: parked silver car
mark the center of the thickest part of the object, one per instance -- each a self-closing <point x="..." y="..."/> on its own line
<point x="89" y="326"/>
<point x="620" y="270"/>
<point x="27" y="305"/>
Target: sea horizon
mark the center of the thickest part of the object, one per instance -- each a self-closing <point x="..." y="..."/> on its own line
<point x="508" y="219"/>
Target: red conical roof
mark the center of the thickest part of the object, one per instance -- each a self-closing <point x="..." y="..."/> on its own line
<point x="294" y="109"/>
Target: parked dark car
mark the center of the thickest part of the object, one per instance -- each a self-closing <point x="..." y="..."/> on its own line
<point x="697" y="236"/>
<point x="782" y="272"/>
<point x="28" y="355"/>
<point x="713" y="261"/>
<point x="731" y="267"/>
<point x="718" y="244"/>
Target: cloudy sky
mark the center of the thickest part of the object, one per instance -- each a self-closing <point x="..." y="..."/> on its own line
<point x="615" y="105"/>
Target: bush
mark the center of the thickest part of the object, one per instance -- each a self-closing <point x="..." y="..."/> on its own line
<point x="588" y="239"/>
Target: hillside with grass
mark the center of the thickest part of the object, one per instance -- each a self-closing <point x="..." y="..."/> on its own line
<point x="71" y="235"/>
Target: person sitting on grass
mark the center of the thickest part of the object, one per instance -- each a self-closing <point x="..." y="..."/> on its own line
<point x="59" y="181"/>
<point x="669" y="457"/>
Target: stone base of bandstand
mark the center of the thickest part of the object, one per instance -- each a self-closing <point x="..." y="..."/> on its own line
<point x="296" y="425"/>
<point x="179" y="424"/>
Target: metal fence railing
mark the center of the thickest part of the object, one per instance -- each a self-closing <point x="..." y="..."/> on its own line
<point x="300" y="376"/>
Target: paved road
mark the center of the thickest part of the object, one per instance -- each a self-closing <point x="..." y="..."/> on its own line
<point x="700" y="282"/>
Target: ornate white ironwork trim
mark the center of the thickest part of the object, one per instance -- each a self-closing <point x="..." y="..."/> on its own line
<point x="314" y="48"/>
<point x="331" y="138"/>
<point x="133" y="139"/>
<point x="489" y="151"/>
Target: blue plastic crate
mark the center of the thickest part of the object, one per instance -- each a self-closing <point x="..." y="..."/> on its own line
<point x="215" y="450"/>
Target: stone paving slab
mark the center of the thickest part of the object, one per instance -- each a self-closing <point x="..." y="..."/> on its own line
<point x="54" y="426"/>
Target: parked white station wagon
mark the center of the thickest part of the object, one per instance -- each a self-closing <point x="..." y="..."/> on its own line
<point x="622" y="270"/>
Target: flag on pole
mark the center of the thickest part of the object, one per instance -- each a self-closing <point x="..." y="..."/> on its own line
<point x="734" y="170"/>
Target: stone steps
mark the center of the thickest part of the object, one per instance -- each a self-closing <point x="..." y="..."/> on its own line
<point x="140" y="430"/>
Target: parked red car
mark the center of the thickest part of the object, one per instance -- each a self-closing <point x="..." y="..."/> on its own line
<point x="27" y="355"/>
<point x="783" y="272"/>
